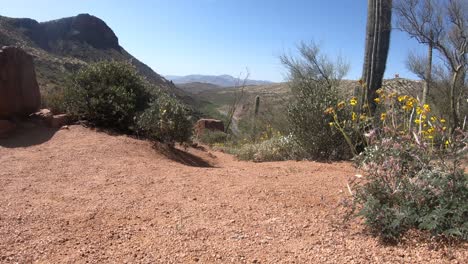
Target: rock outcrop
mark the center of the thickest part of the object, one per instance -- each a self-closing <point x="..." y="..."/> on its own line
<point x="208" y="124"/>
<point x="6" y="128"/>
<point x="19" y="91"/>
<point x="62" y="46"/>
<point x="83" y="28"/>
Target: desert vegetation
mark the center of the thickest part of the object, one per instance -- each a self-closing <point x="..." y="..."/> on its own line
<point x="409" y="146"/>
<point x="364" y="163"/>
<point x="112" y="95"/>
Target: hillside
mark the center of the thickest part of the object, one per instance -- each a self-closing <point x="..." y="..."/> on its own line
<point x="80" y="196"/>
<point x="62" y="46"/>
<point x="197" y="87"/>
<point x="219" y="80"/>
<point x="274" y="99"/>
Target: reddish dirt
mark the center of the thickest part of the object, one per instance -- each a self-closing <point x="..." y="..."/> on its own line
<point x="80" y="196"/>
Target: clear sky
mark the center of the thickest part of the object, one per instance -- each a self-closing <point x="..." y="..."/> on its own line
<point x="181" y="37"/>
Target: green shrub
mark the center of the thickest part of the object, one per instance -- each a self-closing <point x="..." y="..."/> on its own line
<point x="413" y="177"/>
<point x="166" y="120"/>
<point x="314" y="81"/>
<point x="213" y="137"/>
<point x="276" y="148"/>
<point x="107" y="94"/>
<point x="53" y="100"/>
<point x="433" y="200"/>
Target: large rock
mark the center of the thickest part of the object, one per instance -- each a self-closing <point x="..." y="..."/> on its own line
<point x="6" y="128"/>
<point x="19" y="91"/>
<point x="208" y="124"/>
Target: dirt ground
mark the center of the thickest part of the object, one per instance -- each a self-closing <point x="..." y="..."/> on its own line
<point x="81" y="196"/>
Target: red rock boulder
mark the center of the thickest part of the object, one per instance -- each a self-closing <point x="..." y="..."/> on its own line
<point x="19" y="91"/>
<point x="208" y="124"/>
<point x="6" y="128"/>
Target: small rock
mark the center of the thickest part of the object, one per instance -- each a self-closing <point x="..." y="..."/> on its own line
<point x="58" y="121"/>
<point x="44" y="114"/>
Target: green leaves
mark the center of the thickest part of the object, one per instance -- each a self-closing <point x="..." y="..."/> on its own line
<point x="166" y="120"/>
<point x="107" y="94"/>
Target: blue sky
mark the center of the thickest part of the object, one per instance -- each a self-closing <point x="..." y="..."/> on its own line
<point x="180" y="37"/>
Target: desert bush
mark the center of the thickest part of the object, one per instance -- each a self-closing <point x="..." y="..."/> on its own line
<point x="413" y="176"/>
<point x="107" y="94"/>
<point x="276" y="148"/>
<point x="213" y="137"/>
<point x="53" y="100"/>
<point x="314" y="81"/>
<point x="166" y="120"/>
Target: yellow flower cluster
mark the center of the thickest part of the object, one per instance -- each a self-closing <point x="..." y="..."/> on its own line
<point x="402" y="114"/>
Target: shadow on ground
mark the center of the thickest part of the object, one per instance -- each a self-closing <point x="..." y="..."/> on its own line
<point x="182" y="157"/>
<point x="27" y="135"/>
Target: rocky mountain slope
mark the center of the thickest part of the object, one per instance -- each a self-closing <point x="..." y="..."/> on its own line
<point x="62" y="46"/>
<point x="219" y="80"/>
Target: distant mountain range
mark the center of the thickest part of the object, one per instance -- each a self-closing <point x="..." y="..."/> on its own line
<point x="219" y="80"/>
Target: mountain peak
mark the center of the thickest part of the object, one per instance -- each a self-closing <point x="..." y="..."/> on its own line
<point x="224" y="80"/>
<point x="83" y="28"/>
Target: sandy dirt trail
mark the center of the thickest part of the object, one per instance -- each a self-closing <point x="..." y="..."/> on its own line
<point x="81" y="196"/>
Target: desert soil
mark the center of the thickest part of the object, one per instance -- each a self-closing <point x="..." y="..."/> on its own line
<point x="81" y="196"/>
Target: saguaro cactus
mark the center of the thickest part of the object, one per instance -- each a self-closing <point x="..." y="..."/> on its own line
<point x="379" y="21"/>
<point x="254" y="125"/>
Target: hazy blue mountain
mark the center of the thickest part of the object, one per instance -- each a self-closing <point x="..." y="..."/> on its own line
<point x="219" y="80"/>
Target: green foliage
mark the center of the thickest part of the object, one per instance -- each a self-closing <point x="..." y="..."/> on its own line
<point x="53" y="100"/>
<point x="276" y="148"/>
<point x="432" y="200"/>
<point x="213" y="137"/>
<point x="107" y="94"/>
<point x="413" y="176"/>
<point x="314" y="81"/>
<point x="166" y="120"/>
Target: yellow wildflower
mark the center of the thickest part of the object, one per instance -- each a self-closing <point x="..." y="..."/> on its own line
<point x="341" y="104"/>
<point x="377" y="100"/>
<point x="383" y="116"/>
<point x="427" y="108"/>
<point x="444" y="128"/>
<point x="353" y="101"/>
<point x="419" y="110"/>
<point x="433" y="118"/>
<point x="442" y="120"/>
<point x="331" y="124"/>
<point x="353" y="116"/>
<point x="329" y="110"/>
<point x="402" y="98"/>
<point x="417" y="121"/>
<point x="409" y="104"/>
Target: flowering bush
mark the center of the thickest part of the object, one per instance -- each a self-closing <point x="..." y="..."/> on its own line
<point x="166" y="120"/>
<point x="411" y="162"/>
